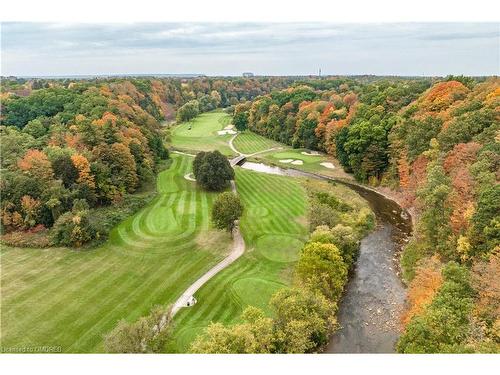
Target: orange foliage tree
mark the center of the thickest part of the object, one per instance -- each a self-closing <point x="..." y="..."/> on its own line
<point x="423" y="287"/>
<point x="84" y="176"/>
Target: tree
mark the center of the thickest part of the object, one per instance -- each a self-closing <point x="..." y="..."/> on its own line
<point x="36" y="164"/>
<point x="212" y="170"/>
<point x="147" y="335"/>
<point x="254" y="335"/>
<point x="226" y="209"/>
<point x="82" y="165"/>
<point x="64" y="169"/>
<point x="322" y="268"/>
<point x="434" y="223"/>
<point x="303" y="320"/>
<point x="188" y="111"/>
<point x="444" y="325"/>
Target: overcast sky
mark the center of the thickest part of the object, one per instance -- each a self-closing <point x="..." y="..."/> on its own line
<point x="232" y="48"/>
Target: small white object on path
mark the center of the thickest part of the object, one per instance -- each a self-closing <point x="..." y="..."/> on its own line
<point x="327" y="164"/>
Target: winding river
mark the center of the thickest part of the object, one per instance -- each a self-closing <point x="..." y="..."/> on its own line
<point x="369" y="313"/>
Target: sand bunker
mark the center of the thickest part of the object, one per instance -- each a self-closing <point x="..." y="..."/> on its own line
<point x="286" y="160"/>
<point x="226" y="131"/>
<point x="297" y="162"/>
<point x="327" y="164"/>
<point x="312" y="153"/>
<point x="189" y="177"/>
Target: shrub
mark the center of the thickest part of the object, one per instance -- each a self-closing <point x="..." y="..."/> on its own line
<point x="322" y="214"/>
<point x="73" y="229"/>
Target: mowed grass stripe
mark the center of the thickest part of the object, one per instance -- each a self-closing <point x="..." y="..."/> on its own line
<point x="249" y="143"/>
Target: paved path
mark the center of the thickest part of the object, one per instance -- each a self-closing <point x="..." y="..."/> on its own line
<point x="237" y="251"/>
<point x="182" y="153"/>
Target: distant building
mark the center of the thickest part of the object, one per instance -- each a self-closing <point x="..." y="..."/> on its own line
<point x="248" y="74"/>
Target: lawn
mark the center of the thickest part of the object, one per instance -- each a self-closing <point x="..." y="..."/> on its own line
<point x="274" y="226"/>
<point x="200" y="134"/>
<point x="249" y="143"/>
<point x="62" y="297"/>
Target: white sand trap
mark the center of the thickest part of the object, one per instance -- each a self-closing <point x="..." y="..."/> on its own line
<point x="189" y="177"/>
<point x="328" y="165"/>
<point x="297" y="162"/>
<point x="286" y="160"/>
<point x="224" y="132"/>
<point x="231" y="126"/>
<point x="312" y="153"/>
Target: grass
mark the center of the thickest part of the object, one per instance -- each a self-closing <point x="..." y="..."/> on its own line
<point x="274" y="227"/>
<point x="249" y="143"/>
<point x="67" y="298"/>
<point x="203" y="134"/>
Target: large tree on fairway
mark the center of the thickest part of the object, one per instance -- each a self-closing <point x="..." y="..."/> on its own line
<point x="212" y="170"/>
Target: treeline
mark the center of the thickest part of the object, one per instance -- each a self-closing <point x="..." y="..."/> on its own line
<point x="437" y="144"/>
<point x="303" y="316"/>
<point x="70" y="147"/>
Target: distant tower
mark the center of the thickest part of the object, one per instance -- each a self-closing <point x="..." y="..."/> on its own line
<point x="319" y="73"/>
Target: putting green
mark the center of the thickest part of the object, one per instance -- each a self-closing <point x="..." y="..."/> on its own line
<point x="279" y="248"/>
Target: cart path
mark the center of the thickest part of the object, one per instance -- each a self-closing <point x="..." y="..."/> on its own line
<point x="237" y="251"/>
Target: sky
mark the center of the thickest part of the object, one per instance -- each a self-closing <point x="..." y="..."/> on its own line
<point x="435" y="49"/>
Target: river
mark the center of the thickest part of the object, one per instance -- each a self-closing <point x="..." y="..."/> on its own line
<point x="369" y="312"/>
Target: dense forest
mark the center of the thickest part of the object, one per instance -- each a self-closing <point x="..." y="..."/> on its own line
<point x="72" y="148"/>
<point x="437" y="145"/>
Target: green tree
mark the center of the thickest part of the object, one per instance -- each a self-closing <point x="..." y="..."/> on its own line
<point x="322" y="268"/>
<point x="212" y="170"/>
<point x="303" y="320"/>
<point x="226" y="209"/>
<point x="254" y="335"/>
<point x="434" y="222"/>
<point x="188" y="111"/>
<point x="147" y="335"/>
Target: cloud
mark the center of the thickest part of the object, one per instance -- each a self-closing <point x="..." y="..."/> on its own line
<point x="266" y="48"/>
